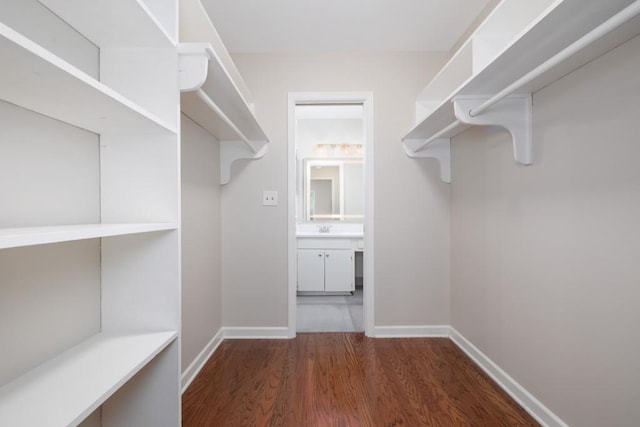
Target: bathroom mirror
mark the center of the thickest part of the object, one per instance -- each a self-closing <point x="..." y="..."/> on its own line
<point x="333" y="189"/>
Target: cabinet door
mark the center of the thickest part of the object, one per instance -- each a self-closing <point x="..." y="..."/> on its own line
<point x="311" y="270"/>
<point x="339" y="271"/>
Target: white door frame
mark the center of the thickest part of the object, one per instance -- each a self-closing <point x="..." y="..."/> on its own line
<point x="366" y="99"/>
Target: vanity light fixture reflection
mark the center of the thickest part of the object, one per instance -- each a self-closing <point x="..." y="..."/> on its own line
<point x="348" y="149"/>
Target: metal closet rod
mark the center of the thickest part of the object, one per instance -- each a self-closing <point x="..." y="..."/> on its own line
<point x="437" y="135"/>
<point x="612" y="23"/>
<point x="212" y="105"/>
<point x="601" y="30"/>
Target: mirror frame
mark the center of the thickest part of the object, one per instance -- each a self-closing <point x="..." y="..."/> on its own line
<point x="325" y="161"/>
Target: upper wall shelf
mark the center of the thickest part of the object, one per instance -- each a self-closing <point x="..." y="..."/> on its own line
<point x="119" y="23"/>
<point x="34" y="71"/>
<point x="28" y="236"/>
<point x="519" y="49"/>
<point x="213" y="93"/>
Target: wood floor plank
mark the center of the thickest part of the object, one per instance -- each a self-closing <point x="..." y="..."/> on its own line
<point x="346" y="379"/>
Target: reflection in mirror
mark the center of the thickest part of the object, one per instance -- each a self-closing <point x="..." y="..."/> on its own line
<point x="330" y="147"/>
<point x="333" y="189"/>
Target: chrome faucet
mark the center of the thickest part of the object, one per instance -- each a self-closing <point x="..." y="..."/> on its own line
<point x="324" y="228"/>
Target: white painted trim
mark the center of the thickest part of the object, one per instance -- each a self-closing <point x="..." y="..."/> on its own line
<point x="368" y="311"/>
<point x="366" y="98"/>
<point x="529" y="403"/>
<point x="244" y="332"/>
<point x="426" y="331"/>
<point x="292" y="270"/>
<point x="201" y="359"/>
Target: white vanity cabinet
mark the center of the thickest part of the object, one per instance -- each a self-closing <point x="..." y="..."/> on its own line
<point x="322" y="270"/>
<point x="339" y="270"/>
<point x="310" y="270"/>
<point x="326" y="265"/>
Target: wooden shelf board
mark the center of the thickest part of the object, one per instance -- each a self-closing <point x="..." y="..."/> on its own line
<point x="40" y="81"/>
<point x="29" y="236"/>
<point x="223" y="84"/>
<point x="196" y="27"/>
<point x="223" y="91"/>
<point x="66" y="389"/>
<point x="194" y="108"/>
<point x="566" y="23"/>
<point x="113" y="23"/>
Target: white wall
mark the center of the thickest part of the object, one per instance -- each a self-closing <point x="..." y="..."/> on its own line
<point x="411" y="203"/>
<point x="327" y="131"/>
<point x="491" y="4"/>
<point x="201" y="281"/>
<point x="50" y="302"/>
<point x="56" y="165"/>
<point x="544" y="259"/>
<point x="39" y="24"/>
<point x="50" y="294"/>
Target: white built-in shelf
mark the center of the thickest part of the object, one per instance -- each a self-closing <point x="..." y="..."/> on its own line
<point x="117" y="23"/>
<point x="30" y="236"/>
<point x="213" y="93"/>
<point x="514" y="40"/>
<point x="66" y="389"/>
<point x="124" y="88"/>
<point x="229" y="101"/>
<point x="40" y="81"/>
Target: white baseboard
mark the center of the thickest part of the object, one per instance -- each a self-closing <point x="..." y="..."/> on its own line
<point x="241" y="332"/>
<point x="533" y="406"/>
<point x="194" y="368"/>
<point x="433" y="331"/>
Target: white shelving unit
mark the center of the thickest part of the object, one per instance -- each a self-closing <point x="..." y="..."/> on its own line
<point x="34" y="71"/>
<point x="109" y="359"/>
<point x="95" y="226"/>
<point x="29" y="236"/>
<point x="520" y="48"/>
<point x="213" y="93"/>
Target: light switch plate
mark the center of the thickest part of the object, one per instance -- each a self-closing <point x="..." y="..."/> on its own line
<point x="269" y="198"/>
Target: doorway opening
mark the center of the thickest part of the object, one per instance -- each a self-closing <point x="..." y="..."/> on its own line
<point x="330" y="212"/>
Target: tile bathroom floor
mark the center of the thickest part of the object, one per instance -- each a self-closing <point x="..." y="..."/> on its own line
<point x="330" y="313"/>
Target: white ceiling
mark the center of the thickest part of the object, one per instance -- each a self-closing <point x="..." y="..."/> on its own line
<point x="341" y="25"/>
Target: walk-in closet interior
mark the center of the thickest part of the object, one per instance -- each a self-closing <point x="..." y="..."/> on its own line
<point x="167" y="187"/>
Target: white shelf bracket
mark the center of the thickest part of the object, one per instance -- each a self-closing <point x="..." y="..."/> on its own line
<point x="193" y="69"/>
<point x="230" y="151"/>
<point x="193" y="65"/>
<point x="438" y="149"/>
<point x="513" y="113"/>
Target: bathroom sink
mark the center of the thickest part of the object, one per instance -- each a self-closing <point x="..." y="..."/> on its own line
<point x="337" y="230"/>
<point x="343" y="234"/>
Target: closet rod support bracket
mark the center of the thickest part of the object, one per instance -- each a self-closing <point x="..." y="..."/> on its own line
<point x="231" y="151"/>
<point x="513" y="113"/>
<point x="438" y="149"/>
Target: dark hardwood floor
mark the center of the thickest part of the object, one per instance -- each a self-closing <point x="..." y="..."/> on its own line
<point x="346" y="379"/>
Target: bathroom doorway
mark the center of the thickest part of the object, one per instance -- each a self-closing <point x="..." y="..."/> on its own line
<point x="330" y="193"/>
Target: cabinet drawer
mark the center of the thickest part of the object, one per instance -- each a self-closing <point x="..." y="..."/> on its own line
<point x="324" y="243"/>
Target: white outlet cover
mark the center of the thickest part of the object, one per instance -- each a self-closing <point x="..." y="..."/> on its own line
<point x="269" y="198"/>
